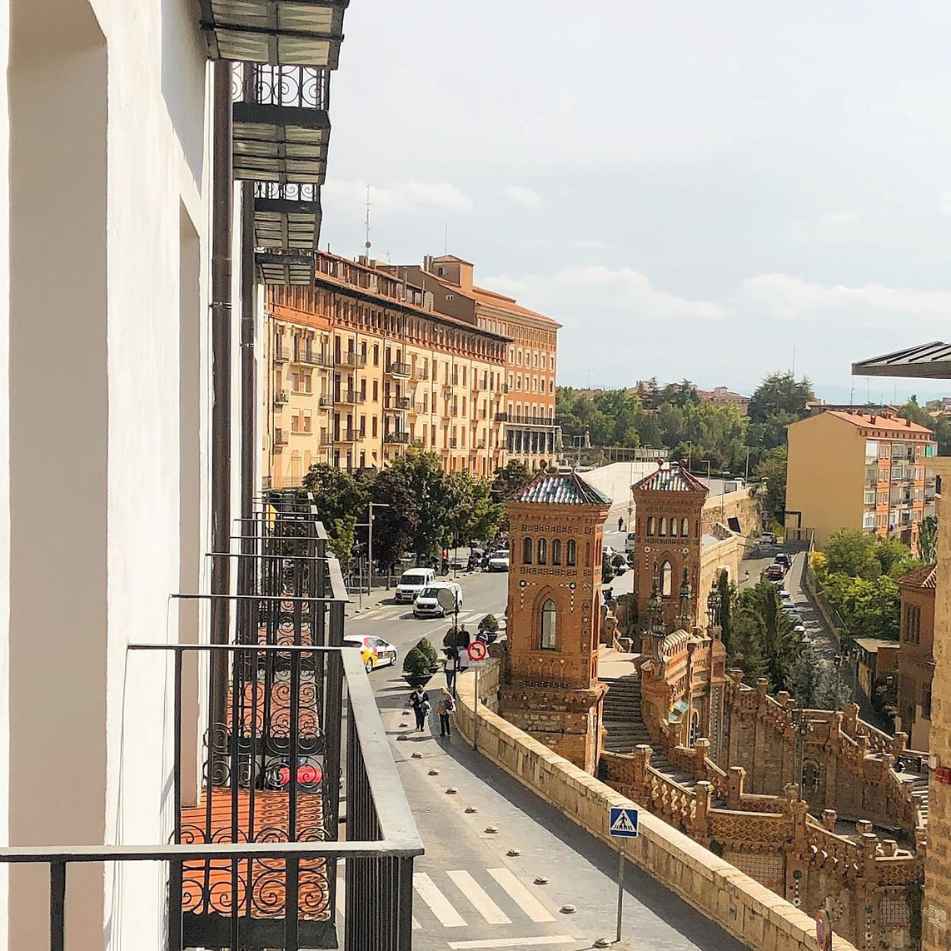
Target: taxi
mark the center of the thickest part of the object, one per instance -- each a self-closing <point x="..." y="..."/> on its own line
<point x="374" y="651"/>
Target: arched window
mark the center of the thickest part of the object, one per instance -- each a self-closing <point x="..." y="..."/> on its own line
<point x="650" y="525"/>
<point x="549" y="626"/>
<point x="527" y="551"/>
<point x="666" y="580"/>
<point x="684" y="527"/>
<point x="673" y="528"/>
<point x="542" y="552"/>
<point x="556" y="551"/>
<point x="663" y="526"/>
<point x="571" y="553"/>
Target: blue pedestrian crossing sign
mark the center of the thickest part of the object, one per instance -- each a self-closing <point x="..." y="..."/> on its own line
<point x="623" y="822"/>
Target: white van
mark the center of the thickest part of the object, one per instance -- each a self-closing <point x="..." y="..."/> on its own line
<point x="412" y="582"/>
<point x="427" y="602"/>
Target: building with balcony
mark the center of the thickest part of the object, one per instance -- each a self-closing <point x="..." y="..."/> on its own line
<point x="855" y="470"/>
<point x="530" y="430"/>
<point x="130" y="213"/>
<point x="393" y="373"/>
<point x="916" y="654"/>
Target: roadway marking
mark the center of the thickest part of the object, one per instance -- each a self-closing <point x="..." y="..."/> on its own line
<point x="439" y="905"/>
<point x="479" y="898"/>
<point x="512" y="942"/>
<point x="521" y="895"/>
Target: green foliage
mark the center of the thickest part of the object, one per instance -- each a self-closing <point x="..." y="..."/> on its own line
<point x="804" y="678"/>
<point x="772" y="470"/>
<point x="426" y="648"/>
<point x="342" y="535"/>
<point x="833" y="691"/>
<point x="727" y="593"/>
<point x="928" y="540"/>
<point x="852" y="553"/>
<point x="416" y="663"/>
<point x="778" y="401"/>
<point x="763" y="635"/>
<point x="489" y="623"/>
<point x="510" y="480"/>
<point x="341" y="499"/>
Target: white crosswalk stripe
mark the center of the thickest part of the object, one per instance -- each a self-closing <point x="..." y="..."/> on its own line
<point x="479" y="898"/>
<point x="520" y="894"/>
<point x="487" y="943"/>
<point x="438" y="904"/>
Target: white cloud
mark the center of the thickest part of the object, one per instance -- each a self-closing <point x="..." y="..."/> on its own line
<point x="782" y="297"/>
<point x="523" y="196"/>
<point x="946" y="203"/>
<point x="594" y="289"/>
<point x="397" y="197"/>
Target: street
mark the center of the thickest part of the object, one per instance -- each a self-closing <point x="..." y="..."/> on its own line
<point x="513" y="887"/>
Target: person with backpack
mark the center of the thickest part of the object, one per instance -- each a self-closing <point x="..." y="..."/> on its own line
<point x="419" y="701"/>
<point x="444" y="709"/>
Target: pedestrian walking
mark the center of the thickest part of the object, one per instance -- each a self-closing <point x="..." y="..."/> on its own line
<point x="445" y="708"/>
<point x="620" y="524"/>
<point x="449" y="667"/>
<point x="419" y="701"/>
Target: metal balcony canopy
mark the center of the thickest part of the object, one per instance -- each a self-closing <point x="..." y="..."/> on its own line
<point x="287" y="217"/>
<point x="280" y="32"/>
<point x="280" y="143"/>
<point x="930" y="361"/>
<point x="288" y="267"/>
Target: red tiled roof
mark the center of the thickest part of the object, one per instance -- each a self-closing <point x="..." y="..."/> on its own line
<point x="896" y="424"/>
<point x="561" y="488"/>
<point x="671" y="478"/>
<point x="923" y="577"/>
<point x="509" y="304"/>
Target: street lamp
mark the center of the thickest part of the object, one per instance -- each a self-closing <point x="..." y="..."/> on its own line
<point x="803" y="729"/>
<point x="713" y="606"/>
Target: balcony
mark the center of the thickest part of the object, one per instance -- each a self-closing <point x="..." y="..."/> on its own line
<point x="280" y="439"/>
<point x="399" y="370"/>
<point x="274" y="31"/>
<point x="418" y="374"/>
<point x="397" y="438"/>
<point x="453" y="443"/>
<point x="312" y="358"/>
<point x="517" y="419"/>
<point x="348" y="436"/>
<point x="257" y="853"/>
<point x="279" y="355"/>
<point x="399" y="403"/>
<point x="287" y="219"/>
<point x="349" y="397"/>
<point x="351" y="360"/>
<point x="281" y="130"/>
<point x="281" y="397"/>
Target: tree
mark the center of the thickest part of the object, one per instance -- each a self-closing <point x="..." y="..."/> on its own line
<point x="780" y="394"/>
<point x="763" y="630"/>
<point x="804" y="677"/>
<point x="510" y="480"/>
<point x="928" y="540"/>
<point x="772" y="470"/>
<point x="341" y="500"/>
<point x="852" y="552"/>
<point x="342" y="535"/>
<point x="727" y="595"/>
<point x="833" y="691"/>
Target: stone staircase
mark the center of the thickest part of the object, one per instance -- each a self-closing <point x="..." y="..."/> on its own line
<point x="919" y="792"/>
<point x="626" y="730"/>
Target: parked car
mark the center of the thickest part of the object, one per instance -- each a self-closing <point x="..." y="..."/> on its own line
<point x="783" y="559"/>
<point x="412" y="582"/>
<point x="428" y="604"/>
<point x="767" y="538"/>
<point x="775" y="573"/>
<point x="630" y="543"/>
<point x="619" y="570"/>
<point x="374" y="651"/>
<point x="499" y="560"/>
<point x="784" y="595"/>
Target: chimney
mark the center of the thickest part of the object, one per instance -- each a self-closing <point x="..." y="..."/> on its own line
<point x="873" y="419"/>
<point x="428" y="263"/>
<point x="908" y="423"/>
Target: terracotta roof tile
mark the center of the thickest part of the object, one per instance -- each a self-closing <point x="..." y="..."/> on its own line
<point x="897" y="424"/>
<point x="562" y="488"/>
<point x="671" y="478"/>
<point x="923" y="577"/>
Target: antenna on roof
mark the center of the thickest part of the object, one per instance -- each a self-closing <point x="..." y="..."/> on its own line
<point x="367" y="245"/>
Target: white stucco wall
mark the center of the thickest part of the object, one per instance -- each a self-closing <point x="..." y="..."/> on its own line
<point x="108" y="475"/>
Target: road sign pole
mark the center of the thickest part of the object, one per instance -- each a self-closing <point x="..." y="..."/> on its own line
<point x="475" y="723"/>
<point x="620" y="888"/>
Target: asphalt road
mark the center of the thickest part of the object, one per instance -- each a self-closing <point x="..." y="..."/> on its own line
<point x="471" y="893"/>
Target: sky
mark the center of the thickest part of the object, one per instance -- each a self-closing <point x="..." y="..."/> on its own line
<point x="709" y="191"/>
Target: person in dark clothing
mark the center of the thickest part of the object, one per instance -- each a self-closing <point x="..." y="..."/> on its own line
<point x="452" y="659"/>
<point x="419" y="701"/>
<point x="445" y="708"/>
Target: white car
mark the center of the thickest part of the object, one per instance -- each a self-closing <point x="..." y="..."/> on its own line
<point x="374" y="651"/>
<point x="784" y="595"/>
<point x="499" y="561"/>
<point x="630" y="543"/>
<point x="411" y="582"/>
<point x="427" y="603"/>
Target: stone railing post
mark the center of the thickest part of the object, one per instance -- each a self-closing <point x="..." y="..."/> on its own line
<point x="762" y="686"/>
<point x="699" y="825"/>
<point x="899" y="743"/>
<point x="641" y="762"/>
<point x="701" y="750"/>
<point x="735" y="777"/>
<point x="829" y="818"/>
<point x="851" y="718"/>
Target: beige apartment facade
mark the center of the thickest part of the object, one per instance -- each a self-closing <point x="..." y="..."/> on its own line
<point x="862" y="471"/>
<point x="361" y="367"/>
<point x="530" y="430"/>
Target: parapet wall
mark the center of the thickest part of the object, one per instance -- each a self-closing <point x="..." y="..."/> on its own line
<point x="737" y="903"/>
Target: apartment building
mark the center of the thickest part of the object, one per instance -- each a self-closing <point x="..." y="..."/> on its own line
<point x="530" y="430"/>
<point x="361" y="366"/>
<point x="855" y="470"/>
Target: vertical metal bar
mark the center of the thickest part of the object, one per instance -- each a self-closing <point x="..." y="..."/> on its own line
<point x="252" y="777"/>
<point x="404" y="908"/>
<point x="175" y="868"/>
<point x="57" y="906"/>
<point x="221" y="380"/>
<point x="620" y="887"/>
<point x="292" y="910"/>
<point x="237" y="689"/>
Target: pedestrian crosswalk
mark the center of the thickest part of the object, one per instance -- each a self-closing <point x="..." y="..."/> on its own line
<point x="391" y="612"/>
<point x="459" y="898"/>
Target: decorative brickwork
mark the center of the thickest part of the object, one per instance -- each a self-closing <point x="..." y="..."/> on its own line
<point x="552" y="690"/>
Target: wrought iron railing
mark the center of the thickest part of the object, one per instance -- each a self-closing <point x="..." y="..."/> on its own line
<point x="302" y="87"/>
<point x="397" y="438"/>
<point x="398" y="368"/>
<point x="289" y="191"/>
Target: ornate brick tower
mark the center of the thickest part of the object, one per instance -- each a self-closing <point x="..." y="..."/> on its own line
<point x="552" y="690"/>
<point x="668" y="506"/>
